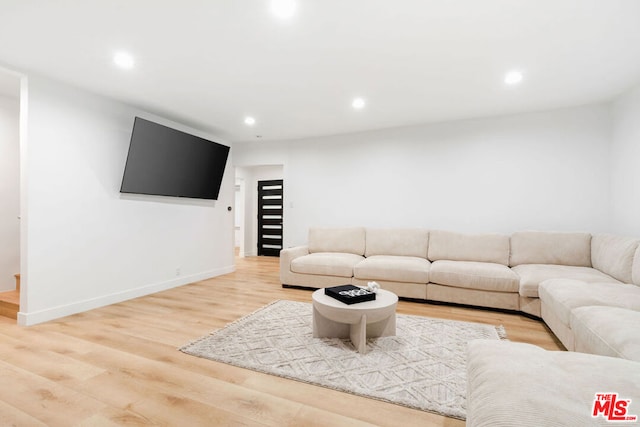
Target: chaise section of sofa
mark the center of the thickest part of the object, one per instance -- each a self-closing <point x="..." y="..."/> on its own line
<point x="472" y="269"/>
<point x="560" y="297"/>
<point x="607" y="331"/>
<point x="619" y="256"/>
<point x="397" y="260"/>
<point x="328" y="260"/>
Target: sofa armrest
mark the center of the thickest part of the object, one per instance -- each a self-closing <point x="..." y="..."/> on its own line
<point x="289" y="254"/>
<point x="286" y="257"/>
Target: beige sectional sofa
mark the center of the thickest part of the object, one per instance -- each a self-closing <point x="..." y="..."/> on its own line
<point x="488" y="270"/>
<point x="585" y="287"/>
<point x="587" y="291"/>
<point x="567" y="279"/>
<point x="567" y="302"/>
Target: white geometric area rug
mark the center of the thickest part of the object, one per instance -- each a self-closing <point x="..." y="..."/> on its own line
<point x="422" y="367"/>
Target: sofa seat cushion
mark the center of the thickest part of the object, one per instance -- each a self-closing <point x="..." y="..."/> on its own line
<point x="486" y="276"/>
<point x="562" y="295"/>
<point x="517" y="384"/>
<point x="607" y="331"/>
<point x="531" y="275"/>
<point x="326" y="264"/>
<point x="393" y="268"/>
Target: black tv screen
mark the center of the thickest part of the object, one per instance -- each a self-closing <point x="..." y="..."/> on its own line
<point x="167" y="162"/>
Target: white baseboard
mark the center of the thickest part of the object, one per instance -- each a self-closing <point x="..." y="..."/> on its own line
<point x="28" y="319"/>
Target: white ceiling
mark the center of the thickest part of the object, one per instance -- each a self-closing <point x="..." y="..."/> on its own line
<point x="210" y="63"/>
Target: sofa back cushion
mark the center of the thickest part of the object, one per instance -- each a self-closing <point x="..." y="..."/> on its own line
<point x="538" y="247"/>
<point x="397" y="241"/>
<point x="635" y="274"/>
<point x="448" y="245"/>
<point x="347" y="240"/>
<point x="613" y="255"/>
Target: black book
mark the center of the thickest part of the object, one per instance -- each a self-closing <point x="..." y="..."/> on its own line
<point x="349" y="294"/>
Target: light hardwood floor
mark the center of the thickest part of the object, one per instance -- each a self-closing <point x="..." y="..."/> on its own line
<point x="119" y="365"/>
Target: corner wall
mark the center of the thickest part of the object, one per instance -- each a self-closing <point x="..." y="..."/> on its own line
<point x="87" y="244"/>
<point x="625" y="164"/>
<point x="544" y="171"/>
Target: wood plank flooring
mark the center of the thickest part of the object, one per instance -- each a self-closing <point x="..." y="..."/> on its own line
<point x="119" y="365"/>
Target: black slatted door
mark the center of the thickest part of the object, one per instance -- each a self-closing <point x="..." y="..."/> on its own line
<point x="270" y="205"/>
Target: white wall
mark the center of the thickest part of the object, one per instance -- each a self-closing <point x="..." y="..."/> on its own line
<point x="9" y="191"/>
<point x="251" y="175"/>
<point x="625" y="164"/>
<point x="545" y="171"/>
<point x="88" y="245"/>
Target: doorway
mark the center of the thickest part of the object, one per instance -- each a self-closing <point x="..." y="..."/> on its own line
<point x="247" y="206"/>
<point x="270" y="210"/>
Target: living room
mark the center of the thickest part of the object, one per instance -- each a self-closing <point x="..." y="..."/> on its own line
<point x="541" y="156"/>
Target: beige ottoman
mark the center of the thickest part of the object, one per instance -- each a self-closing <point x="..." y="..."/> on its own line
<point x="515" y="384"/>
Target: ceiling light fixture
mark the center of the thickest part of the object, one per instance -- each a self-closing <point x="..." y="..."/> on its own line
<point x="283" y="9"/>
<point x="358" y="103"/>
<point x="123" y="60"/>
<point x="513" y="78"/>
<point x="249" y="121"/>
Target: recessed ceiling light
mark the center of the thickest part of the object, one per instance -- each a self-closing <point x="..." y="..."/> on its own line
<point x="249" y="121"/>
<point x="123" y="60"/>
<point x="283" y="9"/>
<point x="358" y="103"/>
<point x="513" y="77"/>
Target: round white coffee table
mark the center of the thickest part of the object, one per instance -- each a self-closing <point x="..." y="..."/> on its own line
<point x="369" y="319"/>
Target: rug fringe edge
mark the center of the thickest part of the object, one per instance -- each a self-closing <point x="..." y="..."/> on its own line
<point x="228" y="325"/>
<point x="502" y="333"/>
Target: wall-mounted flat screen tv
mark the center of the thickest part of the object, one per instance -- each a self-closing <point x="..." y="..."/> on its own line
<point x="167" y="162"/>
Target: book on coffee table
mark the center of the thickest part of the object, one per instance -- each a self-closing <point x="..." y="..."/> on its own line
<point x="349" y="294"/>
